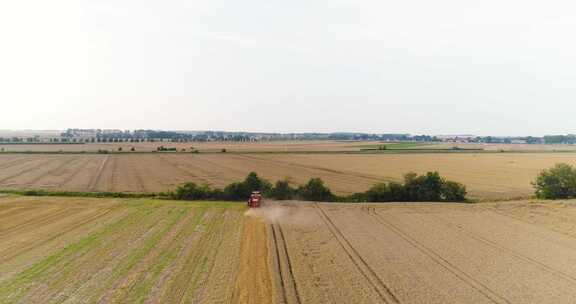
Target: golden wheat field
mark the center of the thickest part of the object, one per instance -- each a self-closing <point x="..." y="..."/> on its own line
<point x="276" y="146"/>
<point x="265" y="146"/>
<point x="83" y="250"/>
<point x="487" y="175"/>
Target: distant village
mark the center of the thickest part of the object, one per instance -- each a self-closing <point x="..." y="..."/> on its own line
<point x="80" y="136"/>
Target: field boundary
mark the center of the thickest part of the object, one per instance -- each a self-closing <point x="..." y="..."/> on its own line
<point x="365" y="152"/>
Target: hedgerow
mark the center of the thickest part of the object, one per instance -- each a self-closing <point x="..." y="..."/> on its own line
<point x="430" y="187"/>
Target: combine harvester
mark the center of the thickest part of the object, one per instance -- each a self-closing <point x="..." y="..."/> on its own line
<point x="255" y="200"/>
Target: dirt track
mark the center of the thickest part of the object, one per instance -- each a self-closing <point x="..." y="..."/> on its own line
<point x="254" y="281"/>
<point x="73" y="250"/>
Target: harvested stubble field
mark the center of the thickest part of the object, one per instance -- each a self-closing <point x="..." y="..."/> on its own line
<point x="265" y="146"/>
<point x="277" y="146"/>
<point x="519" y="252"/>
<point x="68" y="250"/>
<point x="64" y="250"/>
<point x="487" y="175"/>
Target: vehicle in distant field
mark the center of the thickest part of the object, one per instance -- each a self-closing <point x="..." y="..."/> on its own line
<point x="255" y="199"/>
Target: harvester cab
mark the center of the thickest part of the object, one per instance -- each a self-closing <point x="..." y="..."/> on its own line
<point x="255" y="199"/>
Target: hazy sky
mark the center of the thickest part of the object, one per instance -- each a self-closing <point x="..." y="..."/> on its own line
<point x="437" y="67"/>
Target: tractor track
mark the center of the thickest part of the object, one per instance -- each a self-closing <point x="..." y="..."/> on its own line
<point x="81" y="168"/>
<point x="68" y="229"/>
<point x="512" y="252"/>
<point x="33" y="167"/>
<point x="483" y="289"/>
<point x="96" y="179"/>
<point x="312" y="169"/>
<point x="14" y="162"/>
<point x="522" y="220"/>
<point x="13" y="211"/>
<point x="185" y="171"/>
<point x="285" y="273"/>
<point x="36" y="221"/>
<point x="136" y="175"/>
<point x="50" y="173"/>
<point x="363" y="267"/>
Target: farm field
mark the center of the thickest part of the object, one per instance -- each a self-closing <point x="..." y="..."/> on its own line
<point x="273" y="146"/>
<point x="89" y="251"/>
<point x="519" y="252"/>
<point x="71" y="250"/>
<point x="487" y="176"/>
<point x="277" y="146"/>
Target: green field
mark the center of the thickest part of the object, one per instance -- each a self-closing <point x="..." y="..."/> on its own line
<point x="55" y="250"/>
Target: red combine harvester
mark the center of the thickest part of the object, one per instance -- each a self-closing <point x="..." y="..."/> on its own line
<point x="255" y="200"/>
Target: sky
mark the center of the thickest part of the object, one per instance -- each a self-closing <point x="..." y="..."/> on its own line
<point x="505" y="67"/>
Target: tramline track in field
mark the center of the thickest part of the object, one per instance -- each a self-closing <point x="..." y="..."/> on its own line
<point x="285" y="273"/>
<point x="369" y="274"/>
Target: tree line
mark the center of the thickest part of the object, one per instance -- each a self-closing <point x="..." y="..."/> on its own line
<point x="558" y="182"/>
<point x="430" y="187"/>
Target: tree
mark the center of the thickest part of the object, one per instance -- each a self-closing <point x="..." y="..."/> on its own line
<point x="558" y="182"/>
<point x="453" y="192"/>
<point x="397" y="192"/>
<point x="255" y="183"/>
<point x="282" y="190"/>
<point x="424" y="188"/>
<point x="430" y="187"/>
<point x="242" y="190"/>
<point x="315" y="190"/>
<point x="379" y="193"/>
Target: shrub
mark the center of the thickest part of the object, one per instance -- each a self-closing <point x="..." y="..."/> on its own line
<point x="315" y="190"/>
<point x="164" y="149"/>
<point x="453" y="192"/>
<point x="223" y="150"/>
<point x="191" y="191"/>
<point x="558" y="182"/>
<point x="132" y="149"/>
<point x="235" y="191"/>
<point x="430" y="187"/>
